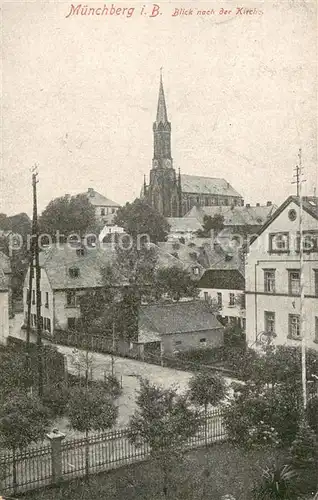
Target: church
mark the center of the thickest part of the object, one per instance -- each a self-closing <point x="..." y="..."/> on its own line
<point x="174" y="194"/>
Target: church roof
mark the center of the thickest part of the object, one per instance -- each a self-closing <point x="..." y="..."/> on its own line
<point x="207" y="185"/>
<point x="162" y="116"/>
<point x="98" y="199"/>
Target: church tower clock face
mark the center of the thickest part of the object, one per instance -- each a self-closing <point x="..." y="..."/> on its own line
<point x="155" y="163"/>
<point x="167" y="163"/>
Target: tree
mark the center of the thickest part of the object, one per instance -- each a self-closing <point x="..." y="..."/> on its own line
<point x="207" y="388"/>
<point x="304" y="457"/>
<point x="165" y="421"/>
<point x="91" y="409"/>
<point x="176" y="283"/>
<point x="68" y="215"/>
<point x="139" y="218"/>
<point x="23" y="420"/>
<point x="215" y="223"/>
<point x="268" y="409"/>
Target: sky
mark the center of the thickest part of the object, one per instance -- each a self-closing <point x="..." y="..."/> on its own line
<point x="79" y="97"/>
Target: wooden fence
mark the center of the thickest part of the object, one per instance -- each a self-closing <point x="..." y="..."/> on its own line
<point x="34" y="468"/>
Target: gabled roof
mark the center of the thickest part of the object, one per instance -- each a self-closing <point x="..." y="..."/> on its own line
<point x="223" y="279"/>
<point x="236" y="215"/>
<point x="182" y="224"/>
<point x="177" y="317"/>
<point x="207" y="185"/>
<point x="98" y="199"/>
<point x="310" y="205"/>
<point x="57" y="260"/>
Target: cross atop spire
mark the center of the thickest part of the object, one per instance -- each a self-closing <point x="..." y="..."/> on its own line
<point x="161" y="109"/>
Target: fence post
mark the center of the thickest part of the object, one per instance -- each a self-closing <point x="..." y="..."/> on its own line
<point x="56" y="437"/>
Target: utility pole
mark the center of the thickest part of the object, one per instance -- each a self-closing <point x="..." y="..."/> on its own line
<point x="35" y="238"/>
<point x="297" y="176"/>
<point x="302" y="282"/>
<point x="113" y="349"/>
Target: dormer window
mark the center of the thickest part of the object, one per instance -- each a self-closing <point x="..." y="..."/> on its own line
<point x="196" y="270"/>
<point x="80" y="252"/>
<point x="74" y="272"/>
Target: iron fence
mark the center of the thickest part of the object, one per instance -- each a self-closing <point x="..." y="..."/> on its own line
<point x="32" y="469"/>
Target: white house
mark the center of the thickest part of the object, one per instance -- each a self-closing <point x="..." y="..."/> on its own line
<point x="183" y="227"/>
<point x="5" y="276"/>
<point x="226" y="288"/>
<point x="272" y="277"/>
<point x="105" y="209"/>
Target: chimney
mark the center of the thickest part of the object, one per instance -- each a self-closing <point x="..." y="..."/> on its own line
<point x="91" y="192"/>
<point x="248" y="205"/>
<point x="257" y="204"/>
<point x="269" y="203"/>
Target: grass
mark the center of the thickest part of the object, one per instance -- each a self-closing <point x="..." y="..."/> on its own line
<point x="232" y="470"/>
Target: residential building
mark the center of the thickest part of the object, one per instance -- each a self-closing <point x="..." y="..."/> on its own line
<point x="183" y="229"/>
<point x="272" y="277"/>
<point x="185" y="257"/>
<point x="174" y="194"/>
<point x="6" y="289"/>
<point x="105" y="209"/>
<point x="69" y="271"/>
<point x="178" y="327"/>
<point x="225" y="288"/>
<point x="4" y="307"/>
<point x="241" y="220"/>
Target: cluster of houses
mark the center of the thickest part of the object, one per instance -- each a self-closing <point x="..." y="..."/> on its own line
<point x="255" y="286"/>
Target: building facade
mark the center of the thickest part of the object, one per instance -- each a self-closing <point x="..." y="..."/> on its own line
<point x="273" y="277"/>
<point x="174" y="194"/>
<point x="226" y="289"/>
<point x="179" y="326"/>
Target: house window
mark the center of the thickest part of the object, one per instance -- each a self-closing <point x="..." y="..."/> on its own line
<point x="71" y="323"/>
<point x="243" y="323"/>
<point x="294" y="325"/>
<point x="310" y="242"/>
<point x="206" y="295"/>
<point x="269" y="321"/>
<point x="177" y="342"/>
<point x="33" y="296"/>
<point x="33" y="319"/>
<point x="71" y="298"/>
<point x="203" y="341"/>
<point x="269" y="280"/>
<point x="195" y="270"/>
<point x="278" y="242"/>
<point x="113" y="210"/>
<point x="102" y="212"/>
<point x="46" y="300"/>
<point x="232" y="299"/>
<point x="74" y="272"/>
<point x="219" y="299"/>
<point x="47" y="324"/>
<point x="294" y="282"/>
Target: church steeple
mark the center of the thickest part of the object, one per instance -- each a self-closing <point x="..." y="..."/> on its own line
<point x="161" y="108"/>
<point x="162" y="133"/>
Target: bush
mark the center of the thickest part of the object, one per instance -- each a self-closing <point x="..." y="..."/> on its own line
<point x="277" y="483"/>
<point x="304" y="456"/>
<point x="312" y="413"/>
<point x="55" y="399"/>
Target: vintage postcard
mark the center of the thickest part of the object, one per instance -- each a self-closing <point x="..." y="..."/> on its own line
<point x="159" y="250"/>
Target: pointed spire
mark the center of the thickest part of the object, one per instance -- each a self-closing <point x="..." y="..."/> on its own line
<point x="161" y="109"/>
<point x="145" y="185"/>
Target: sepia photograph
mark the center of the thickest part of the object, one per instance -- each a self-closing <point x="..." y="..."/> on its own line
<point x="159" y="250"/>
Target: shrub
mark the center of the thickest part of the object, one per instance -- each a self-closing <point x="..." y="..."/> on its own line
<point x="55" y="399"/>
<point x="312" y="413"/>
<point x="304" y="456"/>
<point x="277" y="483"/>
